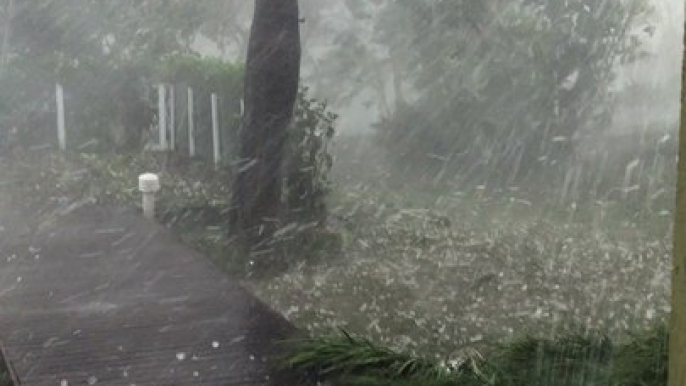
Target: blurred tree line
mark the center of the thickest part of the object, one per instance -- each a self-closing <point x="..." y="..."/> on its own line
<point x="494" y="92"/>
<point x="107" y="56"/>
<point x="497" y="93"/>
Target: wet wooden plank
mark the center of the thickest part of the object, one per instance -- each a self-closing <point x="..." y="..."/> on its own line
<point x="105" y="297"/>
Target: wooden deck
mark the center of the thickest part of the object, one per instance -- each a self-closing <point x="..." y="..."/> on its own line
<point x="104" y="297"/>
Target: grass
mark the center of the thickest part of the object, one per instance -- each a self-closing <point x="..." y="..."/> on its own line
<point x="5" y="379"/>
<point x="351" y="357"/>
<point x="5" y="376"/>
<point x="424" y="273"/>
<point x="569" y="359"/>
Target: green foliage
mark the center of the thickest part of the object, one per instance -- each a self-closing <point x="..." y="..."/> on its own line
<point x="644" y="360"/>
<point x="469" y="69"/>
<point x="114" y="111"/>
<point x="310" y="161"/>
<point x="45" y="179"/>
<point x="103" y="53"/>
<point x="107" y="56"/>
<point x="201" y="73"/>
<point x="206" y="76"/>
<point x="358" y="361"/>
<point x="569" y="359"/>
<point x="25" y="92"/>
<point x="194" y="198"/>
<point x="117" y="100"/>
<point x="5" y="377"/>
<point x="573" y="359"/>
<point x="113" y="99"/>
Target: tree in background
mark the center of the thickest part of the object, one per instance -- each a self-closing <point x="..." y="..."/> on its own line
<point x="508" y="86"/>
<point x="677" y="333"/>
<point x="447" y="79"/>
<point x="89" y="46"/>
<point x="272" y="74"/>
<point x="227" y="24"/>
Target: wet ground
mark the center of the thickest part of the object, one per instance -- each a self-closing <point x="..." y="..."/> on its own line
<point x="100" y="295"/>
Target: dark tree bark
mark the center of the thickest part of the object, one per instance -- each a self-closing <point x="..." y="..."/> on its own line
<point x="272" y="74"/>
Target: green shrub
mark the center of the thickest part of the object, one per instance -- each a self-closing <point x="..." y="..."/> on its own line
<point x="309" y="163"/>
<point x="569" y="359"/>
<point x="206" y="76"/>
<point x="643" y="361"/>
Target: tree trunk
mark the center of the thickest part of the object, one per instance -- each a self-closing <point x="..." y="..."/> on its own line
<point x="272" y="74"/>
<point x="677" y="333"/>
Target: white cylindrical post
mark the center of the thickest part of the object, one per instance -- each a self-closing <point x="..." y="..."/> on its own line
<point x="148" y="184"/>
<point x="172" y="119"/>
<point x="215" y="130"/>
<point x="191" y="124"/>
<point x="61" y="126"/>
<point x="162" y="115"/>
<point x="149" y="205"/>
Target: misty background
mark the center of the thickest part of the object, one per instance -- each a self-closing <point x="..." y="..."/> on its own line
<point x="478" y="169"/>
<point x="385" y="70"/>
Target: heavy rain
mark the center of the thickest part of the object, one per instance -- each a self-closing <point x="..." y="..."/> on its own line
<point x="320" y="192"/>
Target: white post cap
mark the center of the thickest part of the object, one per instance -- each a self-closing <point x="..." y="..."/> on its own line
<point x="148" y="183"/>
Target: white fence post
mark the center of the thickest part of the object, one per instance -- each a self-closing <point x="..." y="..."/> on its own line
<point x="215" y="130"/>
<point x="191" y="124"/>
<point x="162" y="115"/>
<point x="172" y="119"/>
<point x="61" y="126"/>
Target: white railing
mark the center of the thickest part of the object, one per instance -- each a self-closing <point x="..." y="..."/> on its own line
<point x="166" y="127"/>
